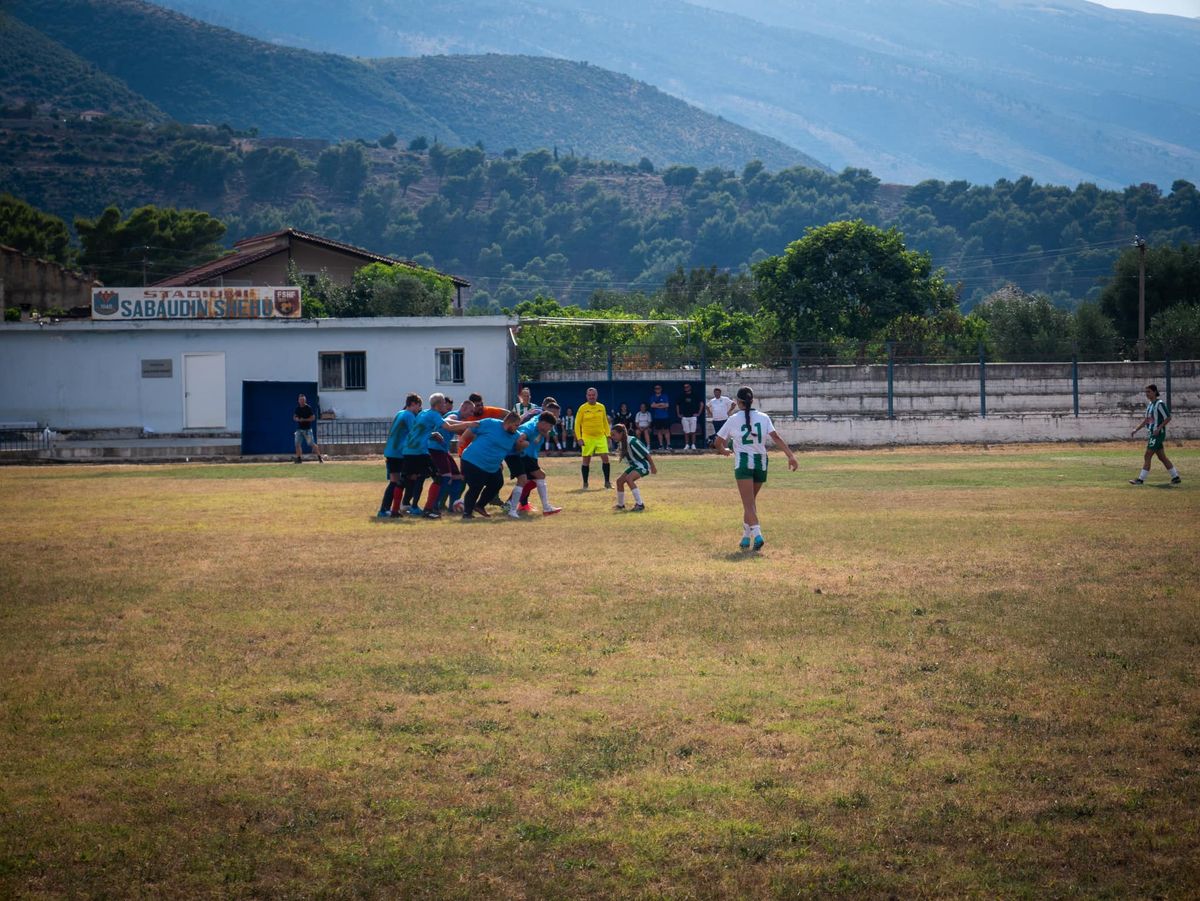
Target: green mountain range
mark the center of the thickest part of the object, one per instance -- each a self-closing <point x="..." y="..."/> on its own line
<point x="200" y="73"/>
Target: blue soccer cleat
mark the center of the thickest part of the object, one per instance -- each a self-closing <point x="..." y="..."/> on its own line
<point x="758" y="542"/>
<point x="745" y="542"/>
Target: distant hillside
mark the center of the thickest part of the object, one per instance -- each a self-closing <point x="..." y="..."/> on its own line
<point x="1062" y="90"/>
<point x="35" y="69"/>
<point x="518" y="225"/>
<point x="212" y="75"/>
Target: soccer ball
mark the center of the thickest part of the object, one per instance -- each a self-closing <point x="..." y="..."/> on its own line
<point x="458" y="507"/>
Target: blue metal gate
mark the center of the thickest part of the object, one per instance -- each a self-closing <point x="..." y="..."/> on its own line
<point x="267" y="407"/>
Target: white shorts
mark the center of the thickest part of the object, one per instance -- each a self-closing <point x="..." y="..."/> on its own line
<point x="688" y="424"/>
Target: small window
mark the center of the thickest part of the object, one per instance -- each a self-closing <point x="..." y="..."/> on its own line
<point x="309" y="279"/>
<point x="344" y="371"/>
<point x="450" y="370"/>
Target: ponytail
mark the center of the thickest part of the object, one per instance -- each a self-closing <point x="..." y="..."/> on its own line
<point x="623" y="437"/>
<point x="746" y="395"/>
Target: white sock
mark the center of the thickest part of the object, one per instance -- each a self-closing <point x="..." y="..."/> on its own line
<point x="543" y="493"/>
<point x="1144" y="474"/>
<point x="1174" y="472"/>
<point x="756" y="531"/>
<point x="746" y="529"/>
<point x="620" y="498"/>
<point x="637" y="494"/>
<point x="514" y="497"/>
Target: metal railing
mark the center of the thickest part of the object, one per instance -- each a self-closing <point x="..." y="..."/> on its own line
<point x="23" y="440"/>
<point x="353" y="431"/>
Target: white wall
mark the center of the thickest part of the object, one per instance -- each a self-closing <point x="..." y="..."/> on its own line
<point x="80" y="375"/>
<point x="939" y="403"/>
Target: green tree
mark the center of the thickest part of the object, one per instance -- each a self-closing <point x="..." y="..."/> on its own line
<point x="157" y="241"/>
<point x="1094" y="334"/>
<point x="344" y="168"/>
<point x="33" y="232"/>
<point x="1025" y="326"/>
<point x="388" y="141"/>
<point x="1172" y="277"/>
<point x="845" y="280"/>
<point x="419" y="144"/>
<point x="393" y="290"/>
<point x="271" y="171"/>
<point x="205" y="167"/>
<point x="408" y="175"/>
<point x="680" y="176"/>
<point x="1175" y="332"/>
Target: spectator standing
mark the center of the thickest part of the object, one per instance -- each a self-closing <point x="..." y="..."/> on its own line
<point x="718" y="411"/>
<point x="688" y="409"/>
<point x="660" y="413"/>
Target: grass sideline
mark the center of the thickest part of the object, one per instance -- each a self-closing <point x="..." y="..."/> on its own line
<point x="951" y="672"/>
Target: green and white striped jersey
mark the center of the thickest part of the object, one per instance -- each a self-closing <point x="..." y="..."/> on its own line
<point x="639" y="454"/>
<point x="748" y="441"/>
<point x="1157" y="413"/>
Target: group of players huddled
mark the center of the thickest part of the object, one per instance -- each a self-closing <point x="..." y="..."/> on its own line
<point x="491" y="438"/>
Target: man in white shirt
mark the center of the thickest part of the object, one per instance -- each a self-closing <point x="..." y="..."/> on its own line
<point x="718" y="408"/>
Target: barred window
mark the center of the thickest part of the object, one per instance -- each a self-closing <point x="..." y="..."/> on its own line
<point x="343" y="370"/>
<point x="450" y="369"/>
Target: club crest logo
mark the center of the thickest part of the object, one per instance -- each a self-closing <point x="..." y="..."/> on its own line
<point x="287" y="302"/>
<point x="105" y="303"/>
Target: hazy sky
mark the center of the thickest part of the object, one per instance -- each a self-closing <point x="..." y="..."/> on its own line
<point x="1174" y="7"/>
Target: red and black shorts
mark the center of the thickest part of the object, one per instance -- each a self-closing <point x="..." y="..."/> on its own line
<point x="444" y="463"/>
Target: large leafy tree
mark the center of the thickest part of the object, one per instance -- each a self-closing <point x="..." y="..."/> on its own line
<point x="1172" y="277"/>
<point x="152" y="244"/>
<point x="31" y="231"/>
<point x="846" y="280"/>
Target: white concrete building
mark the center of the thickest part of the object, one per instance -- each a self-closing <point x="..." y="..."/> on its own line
<point x="178" y="376"/>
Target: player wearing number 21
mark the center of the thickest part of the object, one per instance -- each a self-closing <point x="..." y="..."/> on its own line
<point x="743" y="437"/>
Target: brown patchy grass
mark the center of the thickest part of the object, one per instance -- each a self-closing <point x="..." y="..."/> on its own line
<point x="950" y="673"/>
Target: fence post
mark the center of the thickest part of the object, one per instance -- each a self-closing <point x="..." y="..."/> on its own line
<point x="891" y="347"/>
<point x="1167" y="361"/>
<point x="982" y="382"/>
<point x="795" y="382"/>
<point x="1075" y="380"/>
<point x="703" y="365"/>
<point x="609" y="393"/>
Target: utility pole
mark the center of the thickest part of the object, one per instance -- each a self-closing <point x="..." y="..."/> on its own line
<point x="1140" y="244"/>
<point x="144" y="262"/>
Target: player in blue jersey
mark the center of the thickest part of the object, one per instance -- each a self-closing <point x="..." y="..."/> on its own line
<point x="526" y="468"/>
<point x="393" y="454"/>
<point x="450" y="480"/>
<point x="492" y="441"/>
<point x="1155" y="423"/>
<point x="417" y="463"/>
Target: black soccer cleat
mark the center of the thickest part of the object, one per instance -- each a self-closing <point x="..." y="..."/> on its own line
<point x="1136" y="482"/>
<point x="1175" y="480"/>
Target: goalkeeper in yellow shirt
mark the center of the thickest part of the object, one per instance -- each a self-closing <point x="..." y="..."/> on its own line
<point x="591" y="434"/>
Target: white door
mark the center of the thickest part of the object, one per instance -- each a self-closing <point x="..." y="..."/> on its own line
<point x="204" y="391"/>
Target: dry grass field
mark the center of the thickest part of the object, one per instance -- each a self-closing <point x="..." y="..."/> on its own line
<point x="950" y="673"/>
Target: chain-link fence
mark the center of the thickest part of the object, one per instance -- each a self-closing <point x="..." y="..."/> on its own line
<point x="878" y="380"/>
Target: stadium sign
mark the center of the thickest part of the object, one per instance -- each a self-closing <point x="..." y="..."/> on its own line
<point x="195" y="303"/>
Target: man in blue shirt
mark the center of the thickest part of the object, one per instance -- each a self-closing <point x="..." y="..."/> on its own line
<point x="660" y="416"/>
<point x="393" y="454"/>
<point x="526" y="468"/>
<point x="494" y="439"/>
<point x="417" y="464"/>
